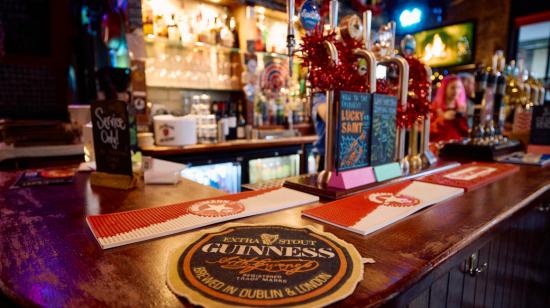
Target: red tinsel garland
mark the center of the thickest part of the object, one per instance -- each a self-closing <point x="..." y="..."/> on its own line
<point x="325" y="74"/>
<point x="419" y="100"/>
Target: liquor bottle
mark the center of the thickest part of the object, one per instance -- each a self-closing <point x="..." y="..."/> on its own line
<point x="203" y="33"/>
<point x="160" y="26"/>
<point x="232" y="122"/>
<point x="224" y="119"/>
<point x="280" y="114"/>
<point x="241" y="124"/>
<point x="187" y="30"/>
<point x="233" y="29"/>
<point x="215" y="111"/>
<point x="215" y="31"/>
<point x="172" y="29"/>
<point x="148" y="27"/>
<point x="260" y="42"/>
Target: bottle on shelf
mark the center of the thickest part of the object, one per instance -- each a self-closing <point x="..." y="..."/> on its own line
<point x="215" y="31"/>
<point x="187" y="30"/>
<point x="148" y="26"/>
<point x="225" y="120"/>
<point x="241" y="123"/>
<point x="172" y="29"/>
<point x="215" y="111"/>
<point x="203" y="31"/>
<point x="160" y="26"/>
<point x="259" y="44"/>
<point x="233" y="29"/>
<point x="226" y="37"/>
<point x="232" y="121"/>
<point x="280" y="114"/>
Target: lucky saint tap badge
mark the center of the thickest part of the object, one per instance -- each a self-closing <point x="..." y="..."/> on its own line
<point x="264" y="265"/>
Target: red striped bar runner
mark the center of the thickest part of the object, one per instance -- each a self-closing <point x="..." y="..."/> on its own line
<point x="117" y="229"/>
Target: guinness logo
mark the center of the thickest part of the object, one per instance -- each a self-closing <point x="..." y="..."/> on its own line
<point x="390" y="199"/>
<point x="264" y="265"/>
<point x="216" y="208"/>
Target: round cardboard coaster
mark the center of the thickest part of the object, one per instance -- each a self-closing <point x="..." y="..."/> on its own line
<point x="264" y="265"/>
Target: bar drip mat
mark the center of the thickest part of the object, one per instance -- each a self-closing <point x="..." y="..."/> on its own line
<point x="271" y="184"/>
<point x="117" y="229"/>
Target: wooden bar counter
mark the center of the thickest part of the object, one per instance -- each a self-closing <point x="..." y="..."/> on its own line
<point x="49" y="257"/>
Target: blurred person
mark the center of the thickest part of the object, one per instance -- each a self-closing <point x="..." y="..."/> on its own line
<point x="449" y="111"/>
<point x="469" y="83"/>
<point x="319" y="114"/>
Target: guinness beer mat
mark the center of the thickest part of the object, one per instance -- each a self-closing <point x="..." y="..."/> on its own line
<point x="370" y="211"/>
<point x="471" y="176"/>
<point x="264" y="265"/>
<point x="117" y="229"/>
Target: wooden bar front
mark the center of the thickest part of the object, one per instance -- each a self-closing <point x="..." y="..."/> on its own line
<point x="49" y="257"/>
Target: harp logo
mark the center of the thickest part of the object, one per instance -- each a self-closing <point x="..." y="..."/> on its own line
<point x="269" y="239"/>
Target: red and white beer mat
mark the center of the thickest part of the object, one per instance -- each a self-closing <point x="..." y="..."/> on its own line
<point x="370" y="211"/>
<point x="117" y="229"/>
<point x="471" y="176"/>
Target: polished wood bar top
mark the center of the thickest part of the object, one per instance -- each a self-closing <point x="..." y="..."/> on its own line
<point x="233" y="145"/>
<point x="48" y="256"/>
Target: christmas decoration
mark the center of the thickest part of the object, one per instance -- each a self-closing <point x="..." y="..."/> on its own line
<point x="324" y="73"/>
<point x="348" y="73"/>
<point x="418" y="100"/>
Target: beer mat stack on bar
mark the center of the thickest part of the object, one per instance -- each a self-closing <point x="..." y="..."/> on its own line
<point x="471" y="176"/>
<point x="117" y="229"/>
<point x="370" y="211"/>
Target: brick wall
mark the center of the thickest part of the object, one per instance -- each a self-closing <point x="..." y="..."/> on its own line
<point x="492" y="21"/>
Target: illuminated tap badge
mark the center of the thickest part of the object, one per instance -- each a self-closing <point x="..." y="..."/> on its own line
<point x="354" y="124"/>
<point x="264" y="265"/>
<point x="309" y="15"/>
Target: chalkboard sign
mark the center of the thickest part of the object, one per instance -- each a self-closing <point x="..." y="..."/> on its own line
<point x="540" y="125"/>
<point x="353" y="137"/>
<point x="111" y="137"/>
<point x="383" y="133"/>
